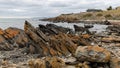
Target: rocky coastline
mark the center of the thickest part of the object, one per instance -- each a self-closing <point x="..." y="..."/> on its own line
<point x="72" y="20"/>
<point x="52" y="46"/>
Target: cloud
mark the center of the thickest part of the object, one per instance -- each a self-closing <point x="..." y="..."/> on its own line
<point x="45" y="8"/>
<point x="58" y="5"/>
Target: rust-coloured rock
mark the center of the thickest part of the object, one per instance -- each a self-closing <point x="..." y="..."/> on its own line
<point x="11" y="32"/>
<point x="63" y="44"/>
<point x="92" y="54"/>
<point x="1" y="31"/>
<point x="55" y="45"/>
<point x="86" y="36"/>
<point x="80" y="40"/>
<point x="54" y="62"/>
<point x="16" y="36"/>
<point x="111" y="39"/>
<point x="48" y="62"/>
<point x="37" y="63"/>
<point x="4" y="44"/>
<point x="115" y="63"/>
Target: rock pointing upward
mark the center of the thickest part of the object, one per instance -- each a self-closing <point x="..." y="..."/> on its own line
<point x="57" y="45"/>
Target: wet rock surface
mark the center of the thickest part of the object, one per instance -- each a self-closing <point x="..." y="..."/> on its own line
<point x="52" y="46"/>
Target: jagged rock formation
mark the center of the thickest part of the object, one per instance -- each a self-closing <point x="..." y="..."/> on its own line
<point x="52" y="29"/>
<point x="81" y="29"/>
<point x="114" y="29"/>
<point x="57" y="45"/>
<point x="51" y="40"/>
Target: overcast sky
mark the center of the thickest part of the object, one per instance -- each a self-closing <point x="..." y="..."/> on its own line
<point x="47" y="8"/>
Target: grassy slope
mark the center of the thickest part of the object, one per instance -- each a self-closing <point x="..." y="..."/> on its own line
<point x="109" y="15"/>
<point x="112" y="15"/>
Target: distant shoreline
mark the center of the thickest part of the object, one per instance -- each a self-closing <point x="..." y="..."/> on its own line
<point x="112" y="16"/>
<point x="113" y="22"/>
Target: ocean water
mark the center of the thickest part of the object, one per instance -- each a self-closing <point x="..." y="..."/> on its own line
<point x="12" y="22"/>
<point x="19" y="23"/>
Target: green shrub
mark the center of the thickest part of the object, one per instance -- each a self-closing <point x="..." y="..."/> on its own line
<point x="99" y="14"/>
<point x="108" y="16"/>
<point x="109" y="8"/>
<point x="87" y="15"/>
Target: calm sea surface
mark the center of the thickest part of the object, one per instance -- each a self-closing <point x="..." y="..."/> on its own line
<point x="19" y="23"/>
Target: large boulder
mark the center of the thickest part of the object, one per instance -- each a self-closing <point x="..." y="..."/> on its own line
<point x="92" y="54"/>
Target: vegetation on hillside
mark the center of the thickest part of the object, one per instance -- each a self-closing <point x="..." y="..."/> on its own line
<point x="108" y="14"/>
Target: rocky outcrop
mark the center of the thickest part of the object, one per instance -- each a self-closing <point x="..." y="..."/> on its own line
<point x="11" y="37"/>
<point x="52" y="29"/>
<point x="92" y="54"/>
<point x="63" y="43"/>
<point x="114" y="29"/>
<point x="88" y="25"/>
<point x="62" y="18"/>
<point x="78" y="28"/>
<point x="81" y="29"/>
<point x="35" y="39"/>
<point x="16" y="36"/>
<point x="49" y="40"/>
<point x="11" y="32"/>
<point x="52" y="40"/>
<point x="4" y="44"/>
<point x="57" y="45"/>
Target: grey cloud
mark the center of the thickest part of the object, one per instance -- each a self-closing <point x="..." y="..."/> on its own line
<point x="46" y="8"/>
<point x="58" y="4"/>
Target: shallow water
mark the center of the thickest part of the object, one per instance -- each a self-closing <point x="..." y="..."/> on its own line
<point x="19" y="23"/>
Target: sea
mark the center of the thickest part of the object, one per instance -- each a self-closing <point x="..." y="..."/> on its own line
<point x="19" y="23"/>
